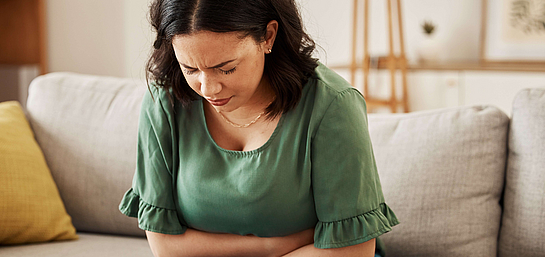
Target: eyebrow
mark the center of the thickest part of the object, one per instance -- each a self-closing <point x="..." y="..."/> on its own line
<point x="213" y="67"/>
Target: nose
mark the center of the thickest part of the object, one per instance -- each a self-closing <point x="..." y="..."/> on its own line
<point x="209" y="85"/>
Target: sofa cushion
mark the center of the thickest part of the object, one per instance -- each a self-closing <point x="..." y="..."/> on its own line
<point x="442" y="173"/>
<point x="87" y="126"/>
<point x="31" y="209"/>
<point x="523" y="221"/>
<point x="88" y="245"/>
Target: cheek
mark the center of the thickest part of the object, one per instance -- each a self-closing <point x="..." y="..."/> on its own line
<point x="254" y="71"/>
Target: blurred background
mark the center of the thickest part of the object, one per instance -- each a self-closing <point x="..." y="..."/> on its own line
<point x="464" y="60"/>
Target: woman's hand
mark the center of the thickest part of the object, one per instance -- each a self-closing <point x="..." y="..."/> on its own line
<point x="280" y="246"/>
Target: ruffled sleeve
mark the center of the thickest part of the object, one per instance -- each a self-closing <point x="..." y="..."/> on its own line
<point x="151" y="198"/>
<point x="151" y="218"/>
<point x="355" y="230"/>
<point x="347" y="192"/>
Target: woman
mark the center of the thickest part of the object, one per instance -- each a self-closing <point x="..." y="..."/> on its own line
<point x="247" y="145"/>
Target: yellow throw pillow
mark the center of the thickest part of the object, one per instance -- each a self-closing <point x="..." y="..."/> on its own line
<point x="31" y="209"/>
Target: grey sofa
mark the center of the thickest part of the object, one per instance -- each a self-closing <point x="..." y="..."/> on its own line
<point x="465" y="181"/>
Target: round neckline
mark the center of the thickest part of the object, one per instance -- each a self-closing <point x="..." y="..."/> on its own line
<point x="257" y="150"/>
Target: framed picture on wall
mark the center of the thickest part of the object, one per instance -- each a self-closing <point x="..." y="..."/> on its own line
<point x="513" y="31"/>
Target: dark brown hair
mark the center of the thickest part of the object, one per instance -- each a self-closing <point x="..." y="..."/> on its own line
<point x="287" y="68"/>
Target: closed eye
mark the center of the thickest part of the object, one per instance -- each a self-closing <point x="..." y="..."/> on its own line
<point x="227" y="72"/>
<point x="188" y="71"/>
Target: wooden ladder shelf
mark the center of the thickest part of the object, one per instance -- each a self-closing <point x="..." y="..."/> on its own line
<point x="391" y="61"/>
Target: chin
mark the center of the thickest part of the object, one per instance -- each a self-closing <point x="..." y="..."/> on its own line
<point x="225" y="108"/>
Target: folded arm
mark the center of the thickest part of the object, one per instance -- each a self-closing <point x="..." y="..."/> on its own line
<point x="198" y="243"/>
<point x="366" y="249"/>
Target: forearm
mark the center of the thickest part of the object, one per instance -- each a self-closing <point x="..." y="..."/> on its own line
<point x="198" y="243"/>
<point x="366" y="249"/>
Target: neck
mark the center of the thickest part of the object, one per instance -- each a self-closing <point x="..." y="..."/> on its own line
<point x="246" y="115"/>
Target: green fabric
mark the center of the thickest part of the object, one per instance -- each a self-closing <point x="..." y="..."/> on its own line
<point x="316" y="170"/>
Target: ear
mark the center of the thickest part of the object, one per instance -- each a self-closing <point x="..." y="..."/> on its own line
<point x="270" y="36"/>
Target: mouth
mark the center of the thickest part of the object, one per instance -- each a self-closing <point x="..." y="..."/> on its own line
<point x="219" y="102"/>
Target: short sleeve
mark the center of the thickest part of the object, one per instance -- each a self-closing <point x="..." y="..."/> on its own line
<point x="151" y="197"/>
<point x="347" y="193"/>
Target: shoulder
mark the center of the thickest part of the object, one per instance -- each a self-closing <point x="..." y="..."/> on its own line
<point x="330" y="80"/>
<point x="155" y="97"/>
<point x="329" y="100"/>
<point x="333" y="91"/>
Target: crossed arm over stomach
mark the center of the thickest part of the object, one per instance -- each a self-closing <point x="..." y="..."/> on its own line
<point x="198" y="243"/>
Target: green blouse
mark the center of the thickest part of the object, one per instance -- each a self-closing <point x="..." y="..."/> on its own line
<point x="316" y="170"/>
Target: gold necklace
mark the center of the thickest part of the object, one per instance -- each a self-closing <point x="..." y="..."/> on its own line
<point x="247" y="124"/>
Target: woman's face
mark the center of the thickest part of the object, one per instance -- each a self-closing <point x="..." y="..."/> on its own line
<point x="223" y="68"/>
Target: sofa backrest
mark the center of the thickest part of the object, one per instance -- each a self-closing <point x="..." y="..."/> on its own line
<point x="86" y="127"/>
<point x="523" y="222"/>
<point x="442" y="173"/>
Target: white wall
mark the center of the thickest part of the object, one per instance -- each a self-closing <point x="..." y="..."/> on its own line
<point x="457" y="27"/>
<point x="100" y="37"/>
<point x="138" y="37"/>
